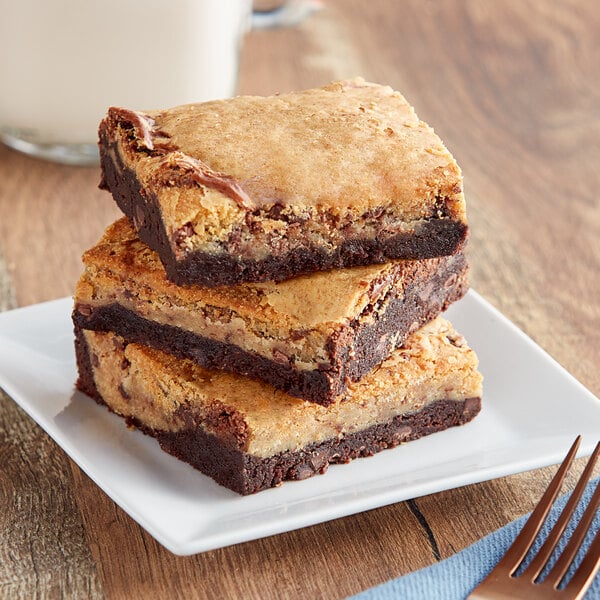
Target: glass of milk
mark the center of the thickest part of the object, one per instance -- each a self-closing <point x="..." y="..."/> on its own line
<point x="63" y="62"/>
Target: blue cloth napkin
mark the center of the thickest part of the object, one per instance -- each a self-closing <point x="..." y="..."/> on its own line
<point x="457" y="576"/>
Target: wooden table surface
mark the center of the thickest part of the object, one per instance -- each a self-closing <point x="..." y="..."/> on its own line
<point x="513" y="89"/>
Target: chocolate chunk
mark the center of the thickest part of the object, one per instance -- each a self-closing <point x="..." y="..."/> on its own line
<point x="84" y="309"/>
<point x="183" y="233"/>
<point x="124" y="392"/>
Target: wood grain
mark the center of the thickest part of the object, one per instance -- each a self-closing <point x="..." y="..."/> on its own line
<point x="43" y="545"/>
<point x="512" y="87"/>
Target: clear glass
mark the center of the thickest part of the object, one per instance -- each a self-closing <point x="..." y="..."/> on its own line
<point x="71" y="59"/>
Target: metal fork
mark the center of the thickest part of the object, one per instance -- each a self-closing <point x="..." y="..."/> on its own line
<point x="502" y="583"/>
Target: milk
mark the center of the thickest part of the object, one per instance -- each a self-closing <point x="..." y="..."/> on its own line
<point x="63" y="62"/>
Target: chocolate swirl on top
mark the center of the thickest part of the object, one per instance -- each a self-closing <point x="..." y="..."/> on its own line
<point x="142" y="124"/>
<point x="194" y="171"/>
<point x="191" y="170"/>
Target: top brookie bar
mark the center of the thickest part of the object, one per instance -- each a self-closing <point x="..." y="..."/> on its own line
<point x="265" y="188"/>
<point x="309" y="336"/>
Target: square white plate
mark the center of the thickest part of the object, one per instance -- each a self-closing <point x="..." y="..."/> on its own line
<point x="532" y="411"/>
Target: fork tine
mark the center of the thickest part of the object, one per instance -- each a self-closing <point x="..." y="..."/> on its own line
<point x="589" y="567"/>
<point x="545" y="552"/>
<point x="519" y="548"/>
<point x="570" y="551"/>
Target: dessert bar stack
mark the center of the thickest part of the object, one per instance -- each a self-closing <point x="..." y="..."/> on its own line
<point x="270" y="302"/>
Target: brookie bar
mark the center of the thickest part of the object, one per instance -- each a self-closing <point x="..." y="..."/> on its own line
<point x="265" y="188"/>
<point x="309" y="336"/>
<point x="248" y="436"/>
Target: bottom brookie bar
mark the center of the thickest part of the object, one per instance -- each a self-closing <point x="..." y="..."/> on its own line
<point x="249" y="436"/>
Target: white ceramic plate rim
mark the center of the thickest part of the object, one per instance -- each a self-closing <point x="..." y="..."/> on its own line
<point x="532" y="411"/>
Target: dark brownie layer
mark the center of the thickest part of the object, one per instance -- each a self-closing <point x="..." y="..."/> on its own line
<point x="247" y="474"/>
<point x="432" y="238"/>
<point x="353" y="351"/>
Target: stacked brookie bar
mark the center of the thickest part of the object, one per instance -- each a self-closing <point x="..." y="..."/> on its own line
<point x="271" y="304"/>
